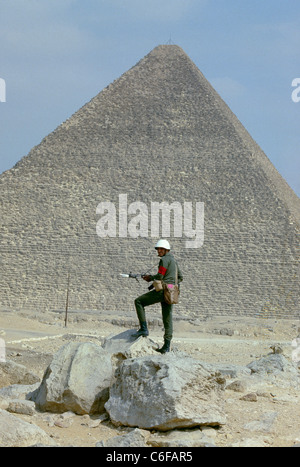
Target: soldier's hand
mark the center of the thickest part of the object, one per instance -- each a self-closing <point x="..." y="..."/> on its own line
<point x="147" y="278"/>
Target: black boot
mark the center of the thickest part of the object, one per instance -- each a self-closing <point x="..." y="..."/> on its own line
<point x="143" y="331"/>
<point x="166" y="347"/>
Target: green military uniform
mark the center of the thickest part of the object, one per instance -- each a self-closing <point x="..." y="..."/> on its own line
<point x="167" y="273"/>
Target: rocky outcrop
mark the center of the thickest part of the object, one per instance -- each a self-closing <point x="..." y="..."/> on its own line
<point x="170" y="400"/>
<point x="77" y="379"/>
<point x="80" y="374"/>
<point x="125" y="345"/>
<point x="165" y="393"/>
<point x="147" y="392"/>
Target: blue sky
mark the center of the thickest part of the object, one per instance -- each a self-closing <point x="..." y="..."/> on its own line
<point x="55" y="55"/>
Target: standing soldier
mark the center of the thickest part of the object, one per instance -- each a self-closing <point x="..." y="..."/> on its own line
<point x="167" y="270"/>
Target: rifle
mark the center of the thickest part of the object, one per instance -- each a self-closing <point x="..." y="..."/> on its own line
<point x="133" y="276"/>
<point x="136" y="276"/>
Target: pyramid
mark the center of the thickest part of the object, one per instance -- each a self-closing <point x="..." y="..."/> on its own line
<point x="87" y="202"/>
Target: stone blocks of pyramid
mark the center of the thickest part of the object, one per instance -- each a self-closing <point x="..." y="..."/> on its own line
<point x="159" y="133"/>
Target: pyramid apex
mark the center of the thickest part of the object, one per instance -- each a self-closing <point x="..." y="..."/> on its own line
<point x="168" y="49"/>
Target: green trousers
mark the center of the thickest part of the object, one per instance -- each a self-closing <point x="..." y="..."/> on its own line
<point x="150" y="298"/>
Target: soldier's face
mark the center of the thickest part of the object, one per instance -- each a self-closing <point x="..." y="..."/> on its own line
<point x="161" y="251"/>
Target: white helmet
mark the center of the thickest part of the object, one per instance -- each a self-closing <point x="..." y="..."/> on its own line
<point x="163" y="244"/>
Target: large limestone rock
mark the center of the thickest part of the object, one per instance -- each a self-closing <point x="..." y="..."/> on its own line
<point x="80" y="374"/>
<point x="15" y="432"/>
<point x="125" y="345"/>
<point x="165" y="392"/>
<point x="77" y="379"/>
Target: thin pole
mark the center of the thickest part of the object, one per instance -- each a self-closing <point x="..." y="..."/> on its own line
<point x="67" y="301"/>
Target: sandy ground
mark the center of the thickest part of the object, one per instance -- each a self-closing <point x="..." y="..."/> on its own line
<point x="32" y="338"/>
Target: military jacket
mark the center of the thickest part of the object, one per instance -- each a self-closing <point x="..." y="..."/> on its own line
<point x="167" y="270"/>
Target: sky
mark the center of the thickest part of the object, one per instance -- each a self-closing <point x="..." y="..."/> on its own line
<point x="55" y="55"/>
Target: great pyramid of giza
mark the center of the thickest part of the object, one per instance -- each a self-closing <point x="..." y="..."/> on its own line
<point x="158" y="134"/>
